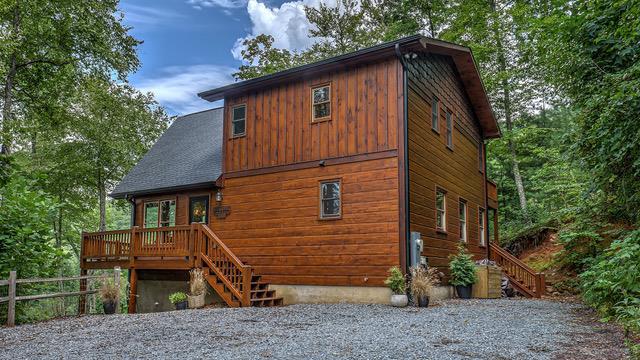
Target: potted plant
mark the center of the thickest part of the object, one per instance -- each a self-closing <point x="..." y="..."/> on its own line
<point x="422" y="281"/>
<point x="179" y="299"/>
<point x="109" y="295"/>
<point x="197" y="289"/>
<point x="396" y="282"/>
<point x="463" y="272"/>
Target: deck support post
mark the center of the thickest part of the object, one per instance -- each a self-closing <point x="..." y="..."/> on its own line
<point x="116" y="282"/>
<point x="82" y="299"/>
<point x="11" y="311"/>
<point x="133" y="289"/>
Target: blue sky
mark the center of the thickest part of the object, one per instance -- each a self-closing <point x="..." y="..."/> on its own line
<point x="193" y="45"/>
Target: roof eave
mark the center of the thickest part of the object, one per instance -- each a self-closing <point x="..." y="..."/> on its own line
<point x="164" y="190"/>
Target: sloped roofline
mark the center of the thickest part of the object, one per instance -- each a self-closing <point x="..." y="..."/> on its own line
<point x="461" y="55"/>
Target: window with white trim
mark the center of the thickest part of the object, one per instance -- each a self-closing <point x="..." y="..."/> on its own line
<point x="321" y="103"/>
<point x="481" y="227"/>
<point x="463" y="220"/>
<point x="330" y="199"/>
<point x="441" y="210"/>
<point x="238" y="120"/>
<point x="449" y="131"/>
<point x="435" y="122"/>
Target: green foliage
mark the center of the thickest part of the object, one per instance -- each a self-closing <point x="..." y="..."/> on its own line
<point x="396" y="281"/>
<point x="462" y="268"/>
<point x="612" y="283"/>
<point x="581" y="244"/>
<point x="177" y="297"/>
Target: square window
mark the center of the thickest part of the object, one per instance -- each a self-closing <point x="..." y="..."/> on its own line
<point x="321" y="103"/>
<point x="330" y="199"/>
<point x="238" y="120"/>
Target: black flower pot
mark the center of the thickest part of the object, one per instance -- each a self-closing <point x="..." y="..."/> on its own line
<point x="423" y="301"/>
<point x="109" y="307"/>
<point x="182" y="305"/>
<point x="464" y="291"/>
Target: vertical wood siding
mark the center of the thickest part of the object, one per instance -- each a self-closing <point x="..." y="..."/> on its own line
<point x="432" y="164"/>
<point x="274" y="224"/>
<point x="364" y="119"/>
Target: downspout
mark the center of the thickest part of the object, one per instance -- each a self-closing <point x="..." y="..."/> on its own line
<point x="405" y="154"/>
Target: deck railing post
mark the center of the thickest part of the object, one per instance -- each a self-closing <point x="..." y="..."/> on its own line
<point x="82" y="299"/>
<point x="116" y="282"/>
<point x="11" y="313"/>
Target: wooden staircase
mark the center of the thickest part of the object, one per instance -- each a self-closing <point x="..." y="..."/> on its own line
<point x="235" y="282"/>
<point x="523" y="278"/>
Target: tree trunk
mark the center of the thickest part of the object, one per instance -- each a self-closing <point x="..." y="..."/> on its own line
<point x="508" y="112"/>
<point x="7" y="96"/>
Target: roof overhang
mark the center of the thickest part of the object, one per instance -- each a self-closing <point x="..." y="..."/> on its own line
<point x="165" y="190"/>
<point x="461" y="55"/>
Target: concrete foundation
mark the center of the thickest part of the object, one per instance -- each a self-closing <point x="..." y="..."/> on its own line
<point x="154" y="288"/>
<point x="301" y="294"/>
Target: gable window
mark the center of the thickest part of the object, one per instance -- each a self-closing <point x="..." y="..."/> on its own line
<point x="159" y="213"/>
<point x="435" y="122"/>
<point x="481" y="222"/>
<point x="330" y="199"/>
<point x="441" y="210"/>
<point x="463" y="220"/>
<point x="321" y="103"/>
<point x="449" y="131"/>
<point x="480" y="157"/>
<point x="238" y="120"/>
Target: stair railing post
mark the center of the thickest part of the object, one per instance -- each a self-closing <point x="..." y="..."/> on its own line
<point x="246" y="286"/>
<point x="11" y="312"/>
<point x="192" y="240"/>
<point x="540" y="284"/>
<point x="199" y="238"/>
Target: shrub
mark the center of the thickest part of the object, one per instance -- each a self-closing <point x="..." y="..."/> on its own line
<point x="396" y="281"/>
<point x="612" y="283"/>
<point x="423" y="280"/>
<point x="177" y="297"/>
<point x="462" y="267"/>
<point x="580" y="247"/>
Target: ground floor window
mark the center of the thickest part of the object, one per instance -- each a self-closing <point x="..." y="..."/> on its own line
<point x="198" y="209"/>
<point x="330" y="199"/>
<point x="463" y="220"/>
<point x="441" y="210"/>
<point x="159" y="213"/>
<point x="481" y="227"/>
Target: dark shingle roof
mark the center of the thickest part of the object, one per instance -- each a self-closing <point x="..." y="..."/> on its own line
<point x="188" y="155"/>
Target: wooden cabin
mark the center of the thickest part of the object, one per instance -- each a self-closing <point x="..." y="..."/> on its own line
<point x="307" y="184"/>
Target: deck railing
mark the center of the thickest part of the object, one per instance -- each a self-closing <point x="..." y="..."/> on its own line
<point x="522" y="277"/>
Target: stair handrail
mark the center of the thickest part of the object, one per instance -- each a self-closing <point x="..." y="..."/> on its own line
<point x="539" y="277"/>
<point x="244" y="293"/>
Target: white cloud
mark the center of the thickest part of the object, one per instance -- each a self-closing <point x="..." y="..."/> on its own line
<point x="137" y="15"/>
<point x="287" y="24"/>
<point x="178" y="87"/>
<point x="200" y="4"/>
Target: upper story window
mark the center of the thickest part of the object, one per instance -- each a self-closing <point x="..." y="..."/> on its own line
<point x="330" y="199"/>
<point x="321" y="103"/>
<point x="441" y="210"/>
<point x="159" y="213"/>
<point x="463" y="220"/>
<point x="481" y="221"/>
<point x="238" y="120"/>
<point x="449" y="131"/>
<point x="480" y="157"/>
<point x="435" y="121"/>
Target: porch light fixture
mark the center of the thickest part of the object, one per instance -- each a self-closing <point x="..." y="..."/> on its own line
<point x="219" y="196"/>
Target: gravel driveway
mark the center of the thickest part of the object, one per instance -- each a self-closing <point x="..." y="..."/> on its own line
<point x="472" y="329"/>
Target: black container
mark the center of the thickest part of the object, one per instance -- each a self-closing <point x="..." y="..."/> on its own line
<point x="423" y="301"/>
<point x="182" y="305"/>
<point x="109" y="307"/>
<point x="464" y="292"/>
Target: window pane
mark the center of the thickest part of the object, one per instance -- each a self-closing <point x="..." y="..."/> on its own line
<point x="239" y="112"/>
<point x="199" y="209"/>
<point x="151" y="215"/>
<point x="167" y="213"/>
<point x="238" y="127"/>
<point x="331" y="207"/>
<point x="331" y="190"/>
<point x="320" y="94"/>
<point x="440" y="200"/>
<point x="321" y="110"/>
<point x="449" y="130"/>
<point x="463" y="211"/>
<point x="434" y="114"/>
<point x="440" y="220"/>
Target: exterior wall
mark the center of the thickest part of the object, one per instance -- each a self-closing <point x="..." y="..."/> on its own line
<point x="432" y="164"/>
<point x="366" y="106"/>
<point x="274" y="224"/>
<point x="182" y="204"/>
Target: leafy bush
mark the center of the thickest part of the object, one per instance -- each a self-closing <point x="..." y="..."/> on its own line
<point x="396" y="281"/>
<point x="612" y="283"/>
<point x="462" y="267"/>
<point x="580" y="248"/>
<point x="177" y="297"/>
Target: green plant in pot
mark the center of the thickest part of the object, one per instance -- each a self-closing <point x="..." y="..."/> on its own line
<point x="179" y="299"/>
<point x="463" y="272"/>
<point x="422" y="282"/>
<point x="398" y="285"/>
<point x="109" y="296"/>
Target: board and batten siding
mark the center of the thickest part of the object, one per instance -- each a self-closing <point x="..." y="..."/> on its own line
<point x="366" y="103"/>
<point x="274" y="224"/>
<point x="432" y="164"/>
